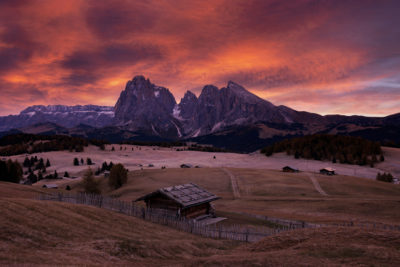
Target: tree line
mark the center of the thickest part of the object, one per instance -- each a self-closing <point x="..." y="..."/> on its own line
<point x="337" y="148"/>
<point x="150" y="143"/>
<point x="31" y="143"/>
<point x="10" y="171"/>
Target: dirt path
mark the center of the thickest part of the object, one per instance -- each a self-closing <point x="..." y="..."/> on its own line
<point x="235" y="187"/>
<point x="316" y="184"/>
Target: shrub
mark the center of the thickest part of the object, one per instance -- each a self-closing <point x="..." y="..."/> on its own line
<point x="90" y="185"/>
<point x="76" y="162"/>
<point x="385" y="177"/>
<point x="66" y="174"/>
<point x="48" y="163"/>
<point x="89" y="161"/>
<point x="68" y="188"/>
<point x="118" y="176"/>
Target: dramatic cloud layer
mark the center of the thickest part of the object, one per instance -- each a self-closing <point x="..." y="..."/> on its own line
<point x="329" y="56"/>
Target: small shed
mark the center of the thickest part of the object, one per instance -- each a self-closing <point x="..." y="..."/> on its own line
<point x="289" y="169"/>
<point x="187" y="200"/>
<point x="50" y="186"/>
<point x="186" y="165"/>
<point x="327" y="171"/>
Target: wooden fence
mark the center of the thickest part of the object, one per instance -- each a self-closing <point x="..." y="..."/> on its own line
<point x="232" y="232"/>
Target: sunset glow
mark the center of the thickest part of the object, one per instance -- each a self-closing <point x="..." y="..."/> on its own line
<point x="320" y="56"/>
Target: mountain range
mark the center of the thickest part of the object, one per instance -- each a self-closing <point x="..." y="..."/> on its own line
<point x="230" y="117"/>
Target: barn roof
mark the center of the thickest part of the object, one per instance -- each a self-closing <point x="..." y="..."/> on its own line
<point x="187" y="195"/>
<point x="50" y="186"/>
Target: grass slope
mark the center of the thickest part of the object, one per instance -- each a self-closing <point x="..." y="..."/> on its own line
<point x="51" y="233"/>
<point x="278" y="194"/>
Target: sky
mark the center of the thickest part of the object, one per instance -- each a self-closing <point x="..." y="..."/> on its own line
<point x="327" y="57"/>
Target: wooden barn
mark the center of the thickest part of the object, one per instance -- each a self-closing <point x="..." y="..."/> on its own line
<point x="289" y="169"/>
<point x="187" y="200"/>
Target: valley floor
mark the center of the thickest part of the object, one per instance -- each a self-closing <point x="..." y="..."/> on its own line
<point x="136" y="158"/>
<point x="51" y="233"/>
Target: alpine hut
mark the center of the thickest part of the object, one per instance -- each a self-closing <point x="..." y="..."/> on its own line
<point x="327" y="171"/>
<point x="187" y="200"/>
<point x="289" y="169"/>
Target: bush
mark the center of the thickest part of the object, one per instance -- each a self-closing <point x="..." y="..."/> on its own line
<point x="66" y="174"/>
<point x="118" y="176"/>
<point x="90" y="185"/>
<point x="385" y="177"/>
<point x="76" y="162"/>
<point x="89" y="161"/>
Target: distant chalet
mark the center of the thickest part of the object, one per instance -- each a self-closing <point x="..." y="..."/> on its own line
<point x="327" y="171"/>
<point x="289" y="169"/>
<point x="187" y="200"/>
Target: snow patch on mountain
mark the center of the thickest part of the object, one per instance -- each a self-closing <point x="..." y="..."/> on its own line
<point x="176" y="112"/>
<point x="177" y="129"/>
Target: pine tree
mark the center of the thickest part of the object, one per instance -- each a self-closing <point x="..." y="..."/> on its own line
<point x="27" y="162"/>
<point x="89" y="161"/>
<point x="48" y="163"/>
<point x="55" y="175"/>
<point x="66" y="174"/>
<point x="40" y="176"/>
<point x="76" y="162"/>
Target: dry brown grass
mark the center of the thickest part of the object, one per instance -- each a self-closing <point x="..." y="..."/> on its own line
<point x="318" y="247"/>
<point x="39" y="232"/>
<point x="278" y="194"/>
<point x="51" y="233"/>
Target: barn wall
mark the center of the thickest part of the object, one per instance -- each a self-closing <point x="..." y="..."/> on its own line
<point x="196" y="211"/>
<point x="159" y="202"/>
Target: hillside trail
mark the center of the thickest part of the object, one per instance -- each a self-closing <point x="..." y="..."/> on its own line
<point x="317" y="185"/>
<point x="234" y="183"/>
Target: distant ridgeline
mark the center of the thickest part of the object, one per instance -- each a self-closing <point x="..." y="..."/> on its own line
<point x="337" y="148"/>
<point x="30" y="143"/>
<point x="154" y="143"/>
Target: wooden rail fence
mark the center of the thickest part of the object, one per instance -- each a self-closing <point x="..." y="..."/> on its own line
<point x="232" y="232"/>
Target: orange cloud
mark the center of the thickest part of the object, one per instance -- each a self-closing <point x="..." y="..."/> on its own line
<point x="319" y="56"/>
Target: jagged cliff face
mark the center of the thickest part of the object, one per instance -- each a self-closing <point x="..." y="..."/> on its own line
<point x="218" y="108"/>
<point x="149" y="110"/>
<point x="145" y="107"/>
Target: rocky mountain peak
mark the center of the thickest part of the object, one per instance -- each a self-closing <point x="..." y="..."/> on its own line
<point x="186" y="107"/>
<point x="188" y="96"/>
<point x="146" y="107"/>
